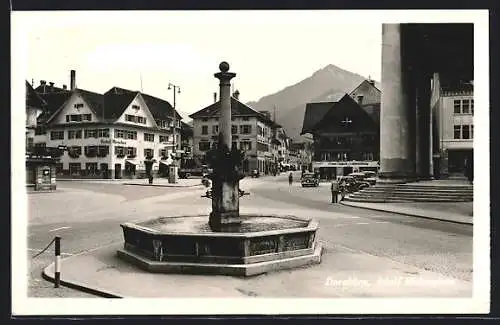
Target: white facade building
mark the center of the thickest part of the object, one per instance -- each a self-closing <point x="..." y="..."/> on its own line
<point x="110" y="135"/>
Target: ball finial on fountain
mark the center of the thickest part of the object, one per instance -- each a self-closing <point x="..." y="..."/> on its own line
<point x="224" y="66"/>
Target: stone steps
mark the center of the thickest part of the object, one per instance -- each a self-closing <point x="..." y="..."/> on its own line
<point x="413" y="192"/>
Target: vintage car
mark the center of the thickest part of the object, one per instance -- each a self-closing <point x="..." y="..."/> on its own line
<point x="353" y="183"/>
<point x="309" y="179"/>
<point x="370" y="177"/>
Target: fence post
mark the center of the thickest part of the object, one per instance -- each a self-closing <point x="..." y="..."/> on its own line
<point x="57" y="274"/>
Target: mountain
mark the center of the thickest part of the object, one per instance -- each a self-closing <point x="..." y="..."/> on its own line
<point x="326" y="84"/>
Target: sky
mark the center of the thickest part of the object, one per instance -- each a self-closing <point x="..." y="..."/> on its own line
<point x="267" y="50"/>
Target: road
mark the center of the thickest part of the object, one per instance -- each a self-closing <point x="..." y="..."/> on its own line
<point x="87" y="216"/>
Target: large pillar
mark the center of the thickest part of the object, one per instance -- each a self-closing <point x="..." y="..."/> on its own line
<point x="225" y="178"/>
<point x="424" y="126"/>
<point x="396" y="165"/>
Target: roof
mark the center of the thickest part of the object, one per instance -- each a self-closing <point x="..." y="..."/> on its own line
<point x="109" y="106"/>
<point x="54" y="101"/>
<point x="313" y="114"/>
<point x="32" y="98"/>
<point x="347" y="107"/>
<point x="186" y="129"/>
<point x="159" y="108"/>
<point x="237" y="109"/>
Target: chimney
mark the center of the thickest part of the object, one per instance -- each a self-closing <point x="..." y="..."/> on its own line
<point x="236" y="94"/>
<point x="51" y="88"/>
<point x="42" y="83"/>
<point x="65" y="87"/>
<point x="72" y="80"/>
<point x="215" y="97"/>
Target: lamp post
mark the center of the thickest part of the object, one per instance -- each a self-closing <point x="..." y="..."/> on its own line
<point x="177" y="90"/>
<point x="173" y="170"/>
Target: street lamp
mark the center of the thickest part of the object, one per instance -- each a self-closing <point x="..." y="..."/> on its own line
<point x="177" y="90"/>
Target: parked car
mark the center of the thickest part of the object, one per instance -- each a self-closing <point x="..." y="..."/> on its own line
<point x="255" y="173"/>
<point x="309" y="179"/>
<point x="353" y="183"/>
<point x="360" y="179"/>
<point x="370" y="177"/>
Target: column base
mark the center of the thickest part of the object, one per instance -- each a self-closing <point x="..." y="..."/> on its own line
<point x="224" y="221"/>
<point x="395" y="178"/>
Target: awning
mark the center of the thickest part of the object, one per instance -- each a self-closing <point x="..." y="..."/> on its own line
<point x="131" y="162"/>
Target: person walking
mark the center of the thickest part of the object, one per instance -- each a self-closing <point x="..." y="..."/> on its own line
<point x="334" y="188"/>
<point x="290" y="179"/>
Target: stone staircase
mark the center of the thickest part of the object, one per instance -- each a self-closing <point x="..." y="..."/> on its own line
<point x="415" y="192"/>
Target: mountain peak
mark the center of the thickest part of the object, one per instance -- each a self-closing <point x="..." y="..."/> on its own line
<point x="320" y="86"/>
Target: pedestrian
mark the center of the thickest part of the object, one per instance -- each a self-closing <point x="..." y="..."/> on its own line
<point x="290" y="179"/>
<point x="342" y="188"/>
<point x="335" y="190"/>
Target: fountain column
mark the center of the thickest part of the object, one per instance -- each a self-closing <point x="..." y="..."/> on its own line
<point x="225" y="178"/>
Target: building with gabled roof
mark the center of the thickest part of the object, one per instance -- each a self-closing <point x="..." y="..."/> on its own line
<point x="252" y="131"/>
<point x="345" y="132"/>
<point x="107" y="135"/>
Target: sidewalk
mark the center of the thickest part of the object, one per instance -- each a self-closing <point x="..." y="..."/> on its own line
<point x="342" y="273"/>
<point x="457" y="212"/>
<point x="190" y="182"/>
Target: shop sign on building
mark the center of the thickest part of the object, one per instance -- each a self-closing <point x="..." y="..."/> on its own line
<point x="354" y="163"/>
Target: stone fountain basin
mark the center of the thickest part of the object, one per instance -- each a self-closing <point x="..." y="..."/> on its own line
<point x="186" y="244"/>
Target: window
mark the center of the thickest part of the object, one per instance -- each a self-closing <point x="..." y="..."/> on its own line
<point x="120" y="134"/>
<point x="141" y="119"/>
<point x="75" y="168"/>
<point x="163" y="138"/>
<point x="245" y="129"/>
<point x="90" y="133"/>
<point x="131" y="135"/>
<point x="246" y="145"/>
<point x="234" y="145"/>
<point x="215" y="129"/>
<point x="204" y="145"/>
<point x="131" y="152"/>
<point x="29" y="143"/>
<point x="129" y="118"/>
<point x="472" y="106"/>
<point x="102" y="151"/>
<point x="472" y="131"/>
<point x="149" y="137"/>
<point x="74" y="134"/>
<point x="120" y="151"/>
<point x="234" y="129"/>
<point x="456" y="106"/>
<point x="136" y="107"/>
<point x="163" y="152"/>
<point x="91" y="151"/>
<point x="148" y="153"/>
<point x="40" y="144"/>
<point x="78" y="106"/>
<point x="40" y="130"/>
<point x="87" y="117"/>
<point x="204" y="129"/>
<point x="204" y="119"/>
<point x="465" y="132"/>
<point x="465" y="106"/>
<point x="57" y="135"/>
<point x="456" y="131"/>
<point x="103" y="133"/>
<point x="75" y="150"/>
<point x="91" y="169"/>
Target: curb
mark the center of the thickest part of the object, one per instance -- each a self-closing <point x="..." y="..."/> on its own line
<point x="159" y="185"/>
<point x="406" y="214"/>
<point x="80" y="287"/>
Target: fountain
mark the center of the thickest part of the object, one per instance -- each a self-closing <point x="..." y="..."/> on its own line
<point x="230" y="243"/>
